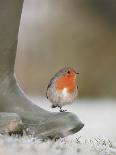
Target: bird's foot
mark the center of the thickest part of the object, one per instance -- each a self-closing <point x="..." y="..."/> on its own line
<point x="54" y="106"/>
<point x="61" y="110"/>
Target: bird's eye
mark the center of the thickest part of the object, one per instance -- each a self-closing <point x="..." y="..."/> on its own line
<point x="68" y="72"/>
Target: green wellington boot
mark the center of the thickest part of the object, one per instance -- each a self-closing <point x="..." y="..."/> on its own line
<point x="17" y="112"/>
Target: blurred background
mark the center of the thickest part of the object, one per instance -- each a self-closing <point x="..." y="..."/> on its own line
<point x="76" y="33"/>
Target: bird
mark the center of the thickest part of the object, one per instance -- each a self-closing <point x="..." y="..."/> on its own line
<point x="62" y="88"/>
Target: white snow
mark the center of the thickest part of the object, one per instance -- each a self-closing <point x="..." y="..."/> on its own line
<point x="98" y="116"/>
<point x="97" y="137"/>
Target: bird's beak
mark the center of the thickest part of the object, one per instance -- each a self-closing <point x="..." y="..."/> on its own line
<point x="77" y="73"/>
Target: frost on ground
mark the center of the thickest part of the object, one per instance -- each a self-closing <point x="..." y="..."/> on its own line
<point x="97" y="115"/>
<point x="99" y="119"/>
<point x="67" y="146"/>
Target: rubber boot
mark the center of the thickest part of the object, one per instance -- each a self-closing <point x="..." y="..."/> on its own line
<point x="34" y="119"/>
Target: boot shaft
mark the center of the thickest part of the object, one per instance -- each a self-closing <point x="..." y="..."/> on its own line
<point x="10" y="12"/>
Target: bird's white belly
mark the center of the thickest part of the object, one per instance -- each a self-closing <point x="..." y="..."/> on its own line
<point x="62" y="97"/>
<point x="65" y="97"/>
<point x="64" y="93"/>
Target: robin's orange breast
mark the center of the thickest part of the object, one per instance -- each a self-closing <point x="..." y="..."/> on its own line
<point x="65" y="82"/>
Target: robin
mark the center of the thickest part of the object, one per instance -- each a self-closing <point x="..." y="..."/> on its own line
<point x="63" y="88"/>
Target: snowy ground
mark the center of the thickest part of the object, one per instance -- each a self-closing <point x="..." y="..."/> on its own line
<point x="98" y="116"/>
<point x="97" y="137"/>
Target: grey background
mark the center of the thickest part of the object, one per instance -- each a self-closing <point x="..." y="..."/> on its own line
<point x="76" y="33"/>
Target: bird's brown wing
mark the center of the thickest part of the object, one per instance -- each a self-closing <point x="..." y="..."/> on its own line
<point x="50" y="83"/>
<point x="47" y="89"/>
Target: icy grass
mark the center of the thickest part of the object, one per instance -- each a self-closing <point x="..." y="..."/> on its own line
<point x="99" y="119"/>
<point x="29" y="145"/>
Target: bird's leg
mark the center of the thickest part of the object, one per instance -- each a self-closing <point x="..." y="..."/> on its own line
<point x="61" y="110"/>
<point x="54" y="106"/>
